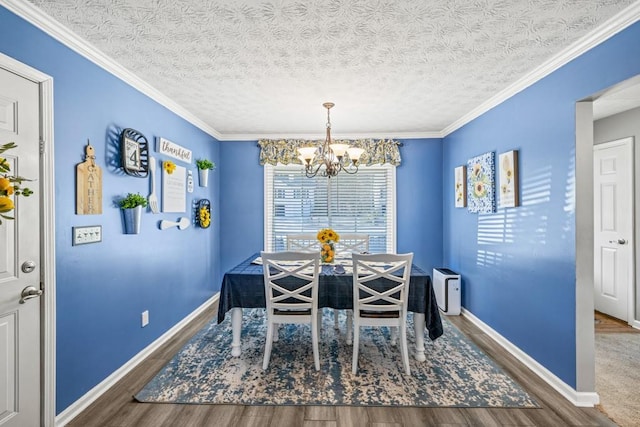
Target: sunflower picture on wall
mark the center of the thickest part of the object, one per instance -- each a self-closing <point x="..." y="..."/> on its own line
<point x="481" y="183"/>
<point x="460" y="178"/>
<point x="508" y="179"/>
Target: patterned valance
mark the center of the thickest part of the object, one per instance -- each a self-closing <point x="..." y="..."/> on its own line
<point x="284" y="151"/>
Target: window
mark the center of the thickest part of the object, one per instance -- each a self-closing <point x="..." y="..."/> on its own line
<point x="361" y="203"/>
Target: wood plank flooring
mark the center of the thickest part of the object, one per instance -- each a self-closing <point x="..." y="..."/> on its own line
<point x="116" y="408"/>
<point x="607" y="324"/>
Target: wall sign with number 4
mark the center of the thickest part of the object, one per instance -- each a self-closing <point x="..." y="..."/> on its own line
<point x="134" y="153"/>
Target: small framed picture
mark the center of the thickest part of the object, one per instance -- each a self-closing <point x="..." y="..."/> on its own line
<point x="508" y="180"/>
<point x="460" y="184"/>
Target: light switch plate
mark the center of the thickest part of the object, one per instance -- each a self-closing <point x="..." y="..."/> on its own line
<point x="87" y="234"/>
<point x="145" y="318"/>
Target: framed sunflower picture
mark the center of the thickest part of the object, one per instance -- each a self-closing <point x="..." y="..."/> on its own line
<point x="508" y="179"/>
<point x="460" y="180"/>
<point x="481" y="183"/>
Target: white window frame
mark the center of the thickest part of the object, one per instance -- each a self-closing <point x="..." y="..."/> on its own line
<point x="391" y="203"/>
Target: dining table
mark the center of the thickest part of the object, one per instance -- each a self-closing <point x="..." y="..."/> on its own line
<point x="243" y="287"/>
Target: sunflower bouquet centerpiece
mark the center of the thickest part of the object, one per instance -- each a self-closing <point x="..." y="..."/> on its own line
<point x="328" y="238"/>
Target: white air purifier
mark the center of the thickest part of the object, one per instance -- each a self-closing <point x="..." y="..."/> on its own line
<point x="447" y="285"/>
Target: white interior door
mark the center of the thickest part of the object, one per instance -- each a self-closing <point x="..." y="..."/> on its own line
<point x="20" y="370"/>
<point x="613" y="223"/>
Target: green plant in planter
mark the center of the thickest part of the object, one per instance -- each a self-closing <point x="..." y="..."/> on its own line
<point x="205" y="164"/>
<point x="132" y="201"/>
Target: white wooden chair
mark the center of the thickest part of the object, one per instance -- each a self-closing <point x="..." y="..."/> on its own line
<point x="303" y="242"/>
<point x="291" y="292"/>
<point x="380" y="296"/>
<point x="353" y="242"/>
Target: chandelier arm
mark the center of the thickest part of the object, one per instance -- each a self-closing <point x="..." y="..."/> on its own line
<point x="353" y="172"/>
<point x="314" y="172"/>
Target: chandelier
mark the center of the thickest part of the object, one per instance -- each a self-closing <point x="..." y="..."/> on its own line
<point x="329" y="159"/>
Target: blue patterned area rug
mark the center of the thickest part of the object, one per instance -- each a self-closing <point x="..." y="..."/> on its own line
<point x="456" y="374"/>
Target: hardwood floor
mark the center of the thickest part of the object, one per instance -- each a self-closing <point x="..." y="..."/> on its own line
<point x="607" y="324"/>
<point x="116" y="408"/>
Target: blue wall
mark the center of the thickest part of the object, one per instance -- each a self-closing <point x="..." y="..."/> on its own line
<point x="518" y="265"/>
<point x="418" y="201"/>
<point x="419" y="184"/>
<point x="103" y="288"/>
<point x="242" y="202"/>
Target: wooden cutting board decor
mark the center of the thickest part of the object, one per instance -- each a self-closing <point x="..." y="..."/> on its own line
<point x="88" y="185"/>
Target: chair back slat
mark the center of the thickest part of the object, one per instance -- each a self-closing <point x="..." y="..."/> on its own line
<point x="302" y="242"/>
<point x="353" y="242"/>
<point x="392" y="303"/>
<point x="349" y="242"/>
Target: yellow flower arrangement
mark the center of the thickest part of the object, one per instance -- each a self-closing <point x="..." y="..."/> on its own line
<point x="9" y="184"/>
<point x="204" y="217"/>
<point x="168" y="166"/>
<point x="327" y="237"/>
<point x="327" y="234"/>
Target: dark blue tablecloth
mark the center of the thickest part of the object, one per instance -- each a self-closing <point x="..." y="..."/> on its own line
<point x="243" y="286"/>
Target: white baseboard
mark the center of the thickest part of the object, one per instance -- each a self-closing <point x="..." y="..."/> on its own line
<point x="585" y="399"/>
<point x="81" y="404"/>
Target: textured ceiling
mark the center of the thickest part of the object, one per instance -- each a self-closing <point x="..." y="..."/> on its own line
<point x="392" y="67"/>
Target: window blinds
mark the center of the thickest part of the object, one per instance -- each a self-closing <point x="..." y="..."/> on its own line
<point x="359" y="203"/>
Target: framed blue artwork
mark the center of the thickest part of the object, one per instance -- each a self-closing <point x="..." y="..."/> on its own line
<point x="481" y="195"/>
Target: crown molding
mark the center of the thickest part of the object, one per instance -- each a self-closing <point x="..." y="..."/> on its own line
<point x="44" y="22"/>
<point x="391" y="135"/>
<point x="317" y="136"/>
<point x="611" y="27"/>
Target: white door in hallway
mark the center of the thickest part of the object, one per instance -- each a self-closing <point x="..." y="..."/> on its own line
<point x="613" y="227"/>
<point x="20" y="395"/>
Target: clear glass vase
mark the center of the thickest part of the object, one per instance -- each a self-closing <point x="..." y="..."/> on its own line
<point x="327" y="252"/>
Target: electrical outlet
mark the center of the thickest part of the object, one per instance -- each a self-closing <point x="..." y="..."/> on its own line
<point x="87" y="234"/>
<point x="145" y="318"/>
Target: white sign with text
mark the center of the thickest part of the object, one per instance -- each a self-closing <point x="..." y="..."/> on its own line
<point x="171" y="149"/>
<point x="174" y="190"/>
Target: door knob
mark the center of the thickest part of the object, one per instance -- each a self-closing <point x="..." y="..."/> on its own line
<point x="28" y="293"/>
<point x="621" y="241"/>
